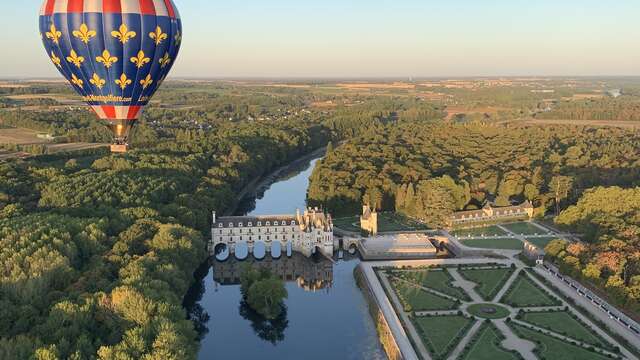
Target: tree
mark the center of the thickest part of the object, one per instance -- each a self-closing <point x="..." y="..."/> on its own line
<point x="555" y="247"/>
<point x="263" y="291"/>
<point x="266" y="296"/>
<point x="560" y="187"/>
<point x="329" y="149"/>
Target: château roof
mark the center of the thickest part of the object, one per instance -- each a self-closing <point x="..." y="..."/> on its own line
<point x="312" y="218"/>
<point x="489" y="207"/>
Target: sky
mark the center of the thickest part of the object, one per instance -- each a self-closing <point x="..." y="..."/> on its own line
<point x="375" y="38"/>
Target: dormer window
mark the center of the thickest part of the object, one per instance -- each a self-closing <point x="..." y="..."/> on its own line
<point x="249" y="224"/>
<point x="275" y="223"/>
<point x="220" y="225"/>
<point x="268" y="223"/>
<point x="259" y="223"/>
<point x="293" y="223"/>
<point x="239" y="224"/>
<point x="230" y="225"/>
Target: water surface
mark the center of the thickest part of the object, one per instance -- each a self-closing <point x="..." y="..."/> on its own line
<point x="325" y="315"/>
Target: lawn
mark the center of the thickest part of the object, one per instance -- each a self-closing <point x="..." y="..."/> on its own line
<point x="503" y="244"/>
<point x="416" y="299"/>
<point x="485" y="346"/>
<point x="563" y="323"/>
<point x="482" y="231"/>
<point x="441" y="334"/>
<point x="525" y="293"/>
<point x="542" y="242"/>
<point x="347" y="223"/>
<point x="391" y="222"/>
<point x="525" y="228"/>
<point x="548" y="347"/>
<point x="387" y="222"/>
<point x="489" y="281"/>
<point x="436" y="279"/>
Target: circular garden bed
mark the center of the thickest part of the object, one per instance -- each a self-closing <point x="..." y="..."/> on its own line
<point x="488" y="311"/>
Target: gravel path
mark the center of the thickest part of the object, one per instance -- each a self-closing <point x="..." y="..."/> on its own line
<point x="513" y="342"/>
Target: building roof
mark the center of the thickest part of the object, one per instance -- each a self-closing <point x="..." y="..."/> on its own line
<point x="310" y="218"/>
<point x="488" y="207"/>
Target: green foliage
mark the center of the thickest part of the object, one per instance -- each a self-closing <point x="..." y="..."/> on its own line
<point x="263" y="291"/>
<point x="441" y="334"/>
<point x="609" y="221"/>
<point x="623" y="108"/>
<point x="98" y="250"/>
<point x="428" y="170"/>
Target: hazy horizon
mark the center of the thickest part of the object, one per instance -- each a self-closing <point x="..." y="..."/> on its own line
<point x="358" y="39"/>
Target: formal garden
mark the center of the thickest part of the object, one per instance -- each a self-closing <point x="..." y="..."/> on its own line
<point x="491" y="311"/>
<point x="506" y="236"/>
<point x="485" y="345"/>
<point x="525" y="293"/>
<point x="494" y="243"/>
<point x="488" y="280"/>
<point x="525" y="228"/>
<point x="387" y="222"/>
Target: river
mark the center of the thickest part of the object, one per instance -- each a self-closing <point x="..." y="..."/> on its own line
<point x="326" y="315"/>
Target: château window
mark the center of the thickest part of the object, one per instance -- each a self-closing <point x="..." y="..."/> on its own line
<point x="259" y="223"/>
<point x="249" y="224"/>
<point x="275" y="223"/>
<point x="220" y="225"/>
<point x="240" y="224"/>
<point x="230" y="225"/>
<point x="293" y="223"/>
<point x="268" y="223"/>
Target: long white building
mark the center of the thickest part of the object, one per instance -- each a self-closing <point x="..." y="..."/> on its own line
<point x="307" y="232"/>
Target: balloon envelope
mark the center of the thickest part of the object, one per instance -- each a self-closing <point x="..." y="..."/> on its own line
<point x="115" y="53"/>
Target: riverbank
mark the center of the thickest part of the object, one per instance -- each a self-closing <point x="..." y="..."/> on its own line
<point x="262" y="183"/>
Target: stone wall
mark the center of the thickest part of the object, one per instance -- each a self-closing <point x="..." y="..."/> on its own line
<point x="382" y="327"/>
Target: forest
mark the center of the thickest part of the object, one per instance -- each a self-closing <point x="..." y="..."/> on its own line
<point x="428" y="170"/>
<point x="99" y="250"/>
<point x="625" y="108"/>
<point x="608" y="218"/>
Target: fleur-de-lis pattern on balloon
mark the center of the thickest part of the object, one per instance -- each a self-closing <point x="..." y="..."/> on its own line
<point x="146" y="82"/>
<point x="76" y="81"/>
<point x="123" y="34"/>
<point x="97" y="81"/>
<point x="84" y="33"/>
<point x="55" y="60"/>
<point x="140" y="60"/>
<point x="106" y="59"/>
<point x="165" y="60"/>
<point x="158" y="36"/>
<point x="75" y="59"/>
<point x="53" y="34"/>
<point x="112" y="58"/>
<point x="123" y="82"/>
<point x="178" y="38"/>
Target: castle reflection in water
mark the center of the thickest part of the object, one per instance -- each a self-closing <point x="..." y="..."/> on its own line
<point x="311" y="274"/>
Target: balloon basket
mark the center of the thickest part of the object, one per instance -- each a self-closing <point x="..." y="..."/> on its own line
<point x="119" y="149"/>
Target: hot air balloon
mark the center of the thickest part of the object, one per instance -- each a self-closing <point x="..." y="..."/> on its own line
<point x="114" y="53"/>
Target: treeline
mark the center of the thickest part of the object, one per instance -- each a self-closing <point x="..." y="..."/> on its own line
<point x="625" y="108"/>
<point x="99" y="250"/>
<point x="412" y="167"/>
<point x="608" y="218"/>
<point x="75" y="125"/>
